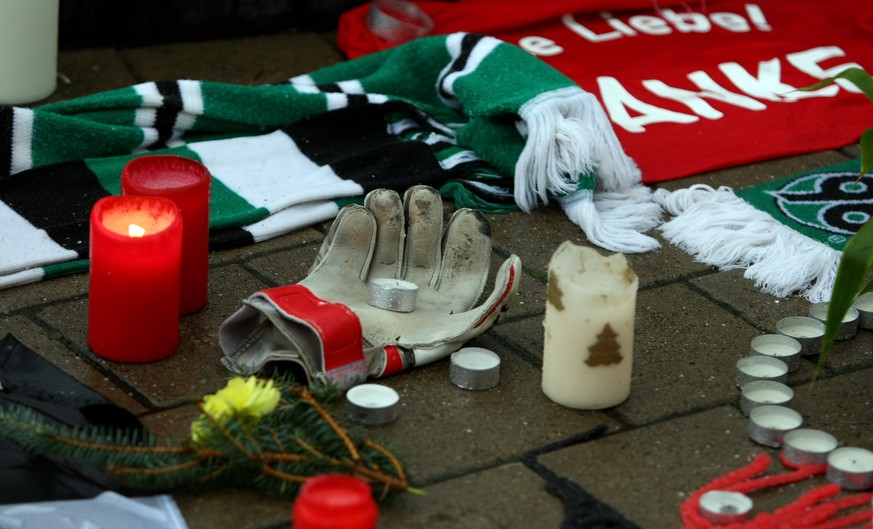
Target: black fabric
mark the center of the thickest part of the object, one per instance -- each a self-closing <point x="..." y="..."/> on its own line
<point x="582" y="510"/>
<point x="28" y="379"/>
<point x="66" y="221"/>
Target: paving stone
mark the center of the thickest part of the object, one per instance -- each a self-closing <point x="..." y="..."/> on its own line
<point x="12" y="300"/>
<point x="195" y="368"/>
<point x="648" y="472"/>
<point x="49" y="347"/>
<point x="509" y="496"/>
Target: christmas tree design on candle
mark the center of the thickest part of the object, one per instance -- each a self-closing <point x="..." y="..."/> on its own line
<point x="606" y="351"/>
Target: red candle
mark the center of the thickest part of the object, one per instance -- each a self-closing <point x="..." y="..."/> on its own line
<point x="334" y="501"/>
<point x="136" y="257"/>
<point x="186" y="182"/>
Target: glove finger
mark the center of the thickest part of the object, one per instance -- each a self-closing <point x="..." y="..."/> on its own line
<point x="465" y="259"/>
<point x="347" y="249"/>
<point x="424" y="215"/>
<point x="387" y="210"/>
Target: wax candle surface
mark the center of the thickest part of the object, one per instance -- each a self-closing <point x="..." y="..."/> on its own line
<point x="133" y="301"/>
<point x="186" y="182"/>
<point x="28" y="50"/>
<point x="331" y="501"/>
<point x="589" y="328"/>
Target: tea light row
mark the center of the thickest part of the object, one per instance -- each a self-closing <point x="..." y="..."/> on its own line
<point x="761" y="377"/>
<point x="148" y="252"/>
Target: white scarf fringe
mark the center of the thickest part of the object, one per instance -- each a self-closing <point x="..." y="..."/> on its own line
<point x="615" y="220"/>
<point x="721" y="229"/>
<point x="568" y="135"/>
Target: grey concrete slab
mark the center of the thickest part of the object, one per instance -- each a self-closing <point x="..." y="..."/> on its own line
<point x="195" y="368"/>
<point x="43" y="343"/>
<point x="647" y="473"/>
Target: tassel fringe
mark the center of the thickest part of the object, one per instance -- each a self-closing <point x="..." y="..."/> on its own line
<point x="569" y="135"/>
<point x="615" y="220"/>
<point x="720" y="229"/>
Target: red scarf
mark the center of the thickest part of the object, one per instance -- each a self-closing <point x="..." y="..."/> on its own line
<point x="688" y="88"/>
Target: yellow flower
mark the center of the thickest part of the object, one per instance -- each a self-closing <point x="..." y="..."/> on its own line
<point x="243" y="397"/>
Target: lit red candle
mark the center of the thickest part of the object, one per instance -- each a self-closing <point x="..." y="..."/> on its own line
<point x="185" y="181"/>
<point x="135" y="262"/>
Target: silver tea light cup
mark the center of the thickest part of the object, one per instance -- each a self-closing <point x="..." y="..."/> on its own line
<point x="769" y="423"/>
<point x="808" y="331"/>
<point x="779" y="346"/>
<point x="760" y="392"/>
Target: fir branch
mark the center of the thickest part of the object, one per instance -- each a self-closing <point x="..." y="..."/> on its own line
<point x="275" y="451"/>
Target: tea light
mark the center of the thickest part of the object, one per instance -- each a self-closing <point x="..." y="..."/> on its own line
<point x="760" y="368"/>
<point x="779" y="346"/>
<point x="759" y="392"/>
<point x="851" y="468"/>
<point x="392" y="294"/>
<point x="805" y="446"/>
<point x="186" y="182"/>
<point x="474" y="368"/>
<point x="769" y="423"/>
<point x="133" y="299"/>
<point x="724" y="507"/>
<point x="808" y="331"/>
<point x="864" y="306"/>
<point x="373" y="404"/>
<point x="849" y="327"/>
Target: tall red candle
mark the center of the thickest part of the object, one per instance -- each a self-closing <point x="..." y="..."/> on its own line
<point x="135" y="261"/>
<point x="334" y="501"/>
<point x="185" y="181"/>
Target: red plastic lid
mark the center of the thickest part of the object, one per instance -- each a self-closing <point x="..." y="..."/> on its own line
<point x="334" y="501"/>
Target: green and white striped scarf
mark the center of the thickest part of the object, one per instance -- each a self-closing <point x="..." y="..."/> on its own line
<point x="488" y="124"/>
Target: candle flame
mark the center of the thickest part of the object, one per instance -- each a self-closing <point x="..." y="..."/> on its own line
<point x="135" y="231"/>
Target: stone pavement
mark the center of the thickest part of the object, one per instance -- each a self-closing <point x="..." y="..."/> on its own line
<point x="680" y="428"/>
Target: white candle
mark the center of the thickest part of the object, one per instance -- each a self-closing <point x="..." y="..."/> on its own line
<point x="808" y="331"/>
<point x="805" y="446"/>
<point x="372" y="404"/>
<point x="392" y="294"/>
<point x="724" y="507"/>
<point x="28" y="50"/>
<point x="589" y="328"/>
<point x="851" y="468"/>
<point x="779" y="346"/>
<point x="760" y="392"/>
<point x="769" y="423"/>
<point x="760" y="368"/>
<point x="864" y="306"/>
<point x="474" y="368"/>
<point x="849" y="327"/>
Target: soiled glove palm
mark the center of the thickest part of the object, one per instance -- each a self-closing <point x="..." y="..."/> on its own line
<point x="315" y="322"/>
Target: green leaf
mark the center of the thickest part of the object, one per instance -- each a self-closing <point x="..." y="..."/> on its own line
<point x="857" y="76"/>
<point x="866" y="151"/>
<point x="855" y="263"/>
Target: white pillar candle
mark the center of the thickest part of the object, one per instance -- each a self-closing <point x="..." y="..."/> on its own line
<point x="849" y="327"/>
<point x="779" y="346"/>
<point x="808" y="331"/>
<point x="805" y="446"/>
<point x="851" y="468"/>
<point x="28" y="50"/>
<point x="589" y="328"/>
<point x="769" y="423"/>
<point x="864" y="306"/>
<point x="725" y="507"/>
